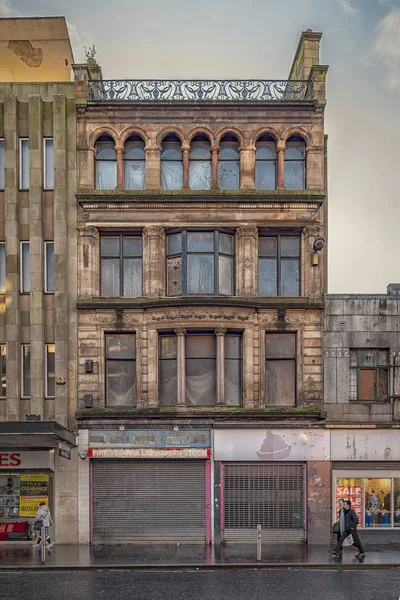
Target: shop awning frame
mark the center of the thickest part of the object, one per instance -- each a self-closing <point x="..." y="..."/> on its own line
<point x="38" y="434"/>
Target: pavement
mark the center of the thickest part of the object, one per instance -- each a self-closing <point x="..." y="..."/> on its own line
<point x="235" y="584"/>
<point x="22" y="556"/>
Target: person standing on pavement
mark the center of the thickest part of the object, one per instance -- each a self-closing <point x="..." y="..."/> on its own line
<point x="341" y="519"/>
<point x="350" y="524"/>
<point x="43" y="519"/>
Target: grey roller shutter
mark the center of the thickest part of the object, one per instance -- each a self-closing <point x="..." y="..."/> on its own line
<point x="148" y="501"/>
<point x="271" y="495"/>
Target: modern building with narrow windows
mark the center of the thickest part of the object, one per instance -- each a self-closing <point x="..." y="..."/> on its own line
<point x="201" y="273"/>
<point x="37" y="277"/>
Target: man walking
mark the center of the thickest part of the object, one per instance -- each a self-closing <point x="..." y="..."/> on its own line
<point x="341" y="519"/>
<point x="350" y="528"/>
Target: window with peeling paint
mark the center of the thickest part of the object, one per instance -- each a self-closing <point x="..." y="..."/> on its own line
<point x="369" y="374"/>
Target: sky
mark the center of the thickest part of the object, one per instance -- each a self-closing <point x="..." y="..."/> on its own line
<point x="257" y="39"/>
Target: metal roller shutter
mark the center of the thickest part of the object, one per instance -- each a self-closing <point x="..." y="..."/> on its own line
<point x="271" y="495"/>
<point x="157" y="501"/>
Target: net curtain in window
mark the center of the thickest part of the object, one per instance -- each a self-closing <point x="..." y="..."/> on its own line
<point x="134" y="164"/>
<point x="171" y="163"/>
<point x="105" y="163"/>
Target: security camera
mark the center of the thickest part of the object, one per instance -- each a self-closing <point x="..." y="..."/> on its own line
<point x="319" y="243"/>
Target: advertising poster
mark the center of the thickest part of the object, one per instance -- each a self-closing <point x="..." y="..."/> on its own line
<point x="354" y="494"/>
<point x="34" y="488"/>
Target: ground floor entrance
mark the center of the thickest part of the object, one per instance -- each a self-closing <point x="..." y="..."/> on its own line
<point x="148" y="501"/>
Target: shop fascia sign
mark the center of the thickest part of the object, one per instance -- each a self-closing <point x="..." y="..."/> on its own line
<point x="14" y="460"/>
<point x="149" y="453"/>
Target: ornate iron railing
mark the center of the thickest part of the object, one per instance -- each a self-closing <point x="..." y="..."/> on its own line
<point x="198" y="90"/>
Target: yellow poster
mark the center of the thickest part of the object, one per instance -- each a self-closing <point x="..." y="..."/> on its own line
<point x="33" y="490"/>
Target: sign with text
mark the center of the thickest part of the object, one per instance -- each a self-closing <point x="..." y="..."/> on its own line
<point x="149" y="453"/>
<point x="34" y="488"/>
<point x="14" y="460"/>
<point x="354" y="494"/>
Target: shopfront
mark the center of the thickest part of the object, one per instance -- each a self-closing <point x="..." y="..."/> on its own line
<point x="366" y="470"/>
<point x="150" y="486"/>
<point x="262" y="479"/>
<point x="26" y="479"/>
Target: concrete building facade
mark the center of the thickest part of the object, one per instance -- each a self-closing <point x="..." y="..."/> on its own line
<point x="201" y="273"/>
<point x="38" y="276"/>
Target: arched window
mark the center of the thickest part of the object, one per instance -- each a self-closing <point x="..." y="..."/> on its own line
<point x="134" y="164"/>
<point x="106" y="163"/>
<point x="200" y="163"/>
<point x="228" y="163"/>
<point x="266" y="161"/>
<point x="295" y="164"/>
<point x="171" y="163"/>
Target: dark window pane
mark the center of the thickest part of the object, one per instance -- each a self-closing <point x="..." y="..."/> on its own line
<point x="109" y="246"/>
<point x="121" y="346"/>
<point x="265" y="151"/>
<point x="49" y="266"/>
<point x="294" y="175"/>
<point x="382" y="383"/>
<point x="367" y="358"/>
<point x="228" y="175"/>
<point x="200" y="241"/>
<point x="367" y="383"/>
<point x="229" y="151"/>
<point x="26" y="370"/>
<point x="175" y="243"/>
<point x="265" y="175"/>
<point x="225" y="276"/>
<point x="225" y="243"/>
<point x="233" y="346"/>
<point x="110" y="277"/>
<point x="51" y="366"/>
<point x="174" y="276"/>
<point x="168" y="385"/>
<point x="132" y="276"/>
<point x="294" y="150"/>
<point x="200" y="346"/>
<point x="2" y="268"/>
<point x="201" y="382"/>
<point x="268" y="277"/>
<point x="168" y="346"/>
<point x="290" y="278"/>
<point x="268" y="246"/>
<point x="290" y="246"/>
<point x="280" y="345"/>
<point x="106" y="151"/>
<point x="233" y="382"/>
<point x="200" y="276"/>
<point x="121" y="383"/>
<point x="200" y="150"/>
<point x="134" y="150"/>
<point x="132" y="246"/>
<point x="280" y="382"/>
<point x="26" y="272"/>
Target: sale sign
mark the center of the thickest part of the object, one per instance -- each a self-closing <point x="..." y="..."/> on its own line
<point x="34" y="489"/>
<point x="354" y="493"/>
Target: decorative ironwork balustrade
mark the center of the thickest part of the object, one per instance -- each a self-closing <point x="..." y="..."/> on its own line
<point x="199" y="90"/>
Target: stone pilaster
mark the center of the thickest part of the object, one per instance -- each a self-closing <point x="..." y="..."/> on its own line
<point x="280" y="176"/>
<point x="152" y="368"/>
<point x="153" y="261"/>
<point x="13" y="323"/>
<point x="220" y="335"/>
<point x="89" y="262"/>
<point x="247" y="167"/>
<point x="248" y="367"/>
<point x="247" y="253"/>
<point x="153" y="167"/>
<point x="180" y="365"/>
<point x="214" y="167"/>
<point x="120" y="166"/>
<point x="60" y="257"/>
<point x="36" y="254"/>
<point x="315" y="167"/>
<point x="185" y="160"/>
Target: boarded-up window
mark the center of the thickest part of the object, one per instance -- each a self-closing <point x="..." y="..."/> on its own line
<point x="280" y="371"/>
<point x="369" y="373"/>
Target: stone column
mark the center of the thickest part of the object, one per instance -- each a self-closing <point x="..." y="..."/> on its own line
<point x="220" y="335"/>
<point x="153" y="167"/>
<point x="180" y="365"/>
<point x="185" y="158"/>
<point x="36" y="254"/>
<point x="247" y="257"/>
<point x="13" y="323"/>
<point x="214" y="167"/>
<point x="249" y="367"/>
<point x="153" y="261"/>
<point x="89" y="262"/>
<point x="152" y="368"/>
<point x="120" y="167"/>
<point x="60" y="257"/>
<point x="280" y="177"/>
<point x="247" y="167"/>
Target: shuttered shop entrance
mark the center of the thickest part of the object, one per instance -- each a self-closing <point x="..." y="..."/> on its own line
<point x="148" y="501"/>
<point x="271" y="495"/>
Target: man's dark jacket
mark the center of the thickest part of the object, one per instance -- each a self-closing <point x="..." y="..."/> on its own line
<point x="350" y="519"/>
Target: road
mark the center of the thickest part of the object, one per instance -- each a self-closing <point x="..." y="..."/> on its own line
<point x="201" y="585"/>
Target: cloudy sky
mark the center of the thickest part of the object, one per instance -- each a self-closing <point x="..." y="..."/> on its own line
<point x="257" y="39"/>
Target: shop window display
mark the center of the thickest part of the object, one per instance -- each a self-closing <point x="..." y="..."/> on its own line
<point x="376" y="500"/>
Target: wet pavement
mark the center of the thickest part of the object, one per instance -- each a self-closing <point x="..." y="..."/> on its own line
<point x="21" y="555"/>
<point x="262" y="584"/>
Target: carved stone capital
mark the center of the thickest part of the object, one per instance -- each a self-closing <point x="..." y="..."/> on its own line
<point x="180" y="331"/>
<point x="247" y="231"/>
<point x="89" y="231"/>
<point x="220" y="331"/>
<point x="153" y="230"/>
<point x="280" y="146"/>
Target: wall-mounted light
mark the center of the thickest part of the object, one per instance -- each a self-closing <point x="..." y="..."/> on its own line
<point x="83" y="454"/>
<point x="319" y="244"/>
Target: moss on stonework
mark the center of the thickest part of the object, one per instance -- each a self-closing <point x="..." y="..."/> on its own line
<point x="213" y="411"/>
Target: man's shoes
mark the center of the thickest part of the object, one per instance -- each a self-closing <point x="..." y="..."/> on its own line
<point x="335" y="553"/>
<point x="360" y="555"/>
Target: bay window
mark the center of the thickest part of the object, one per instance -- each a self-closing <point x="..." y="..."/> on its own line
<point x="121" y="265"/>
<point x="279" y="264"/>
